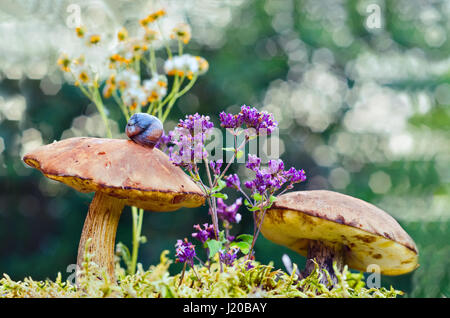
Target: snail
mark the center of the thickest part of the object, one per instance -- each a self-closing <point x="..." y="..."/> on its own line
<point x="144" y="129"/>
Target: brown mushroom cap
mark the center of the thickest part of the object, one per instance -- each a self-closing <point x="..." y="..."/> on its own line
<point x="141" y="176"/>
<point x="370" y="235"/>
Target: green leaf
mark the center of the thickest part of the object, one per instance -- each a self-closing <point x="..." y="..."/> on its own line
<point x="257" y="196"/>
<point x="244" y="247"/>
<point x="272" y="199"/>
<point x="239" y="154"/>
<point x="222" y="237"/>
<point x="228" y="149"/>
<point x="220" y="195"/>
<point x="245" y="238"/>
<point x="213" y="246"/>
<point x="255" y="208"/>
<point x="220" y="185"/>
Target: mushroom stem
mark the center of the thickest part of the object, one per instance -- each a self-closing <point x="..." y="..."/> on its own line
<point x="324" y="254"/>
<point x="101" y="225"/>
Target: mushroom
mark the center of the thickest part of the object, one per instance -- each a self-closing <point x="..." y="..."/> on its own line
<point x="120" y="172"/>
<point x="326" y="226"/>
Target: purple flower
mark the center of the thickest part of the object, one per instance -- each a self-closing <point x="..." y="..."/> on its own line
<point x="275" y="166"/>
<point x="273" y="177"/>
<point x="262" y="182"/>
<point x="216" y="165"/>
<point x="294" y="176"/>
<point x="229" y="257"/>
<point x="253" y="162"/>
<point x="230" y="120"/>
<point x="261" y="122"/>
<point x="229" y="213"/>
<point x="258" y="120"/>
<point x="164" y="141"/>
<point x="185" y="252"/>
<point x="204" y="234"/>
<point x="232" y="181"/>
<point x="196" y="122"/>
<point x="189" y="138"/>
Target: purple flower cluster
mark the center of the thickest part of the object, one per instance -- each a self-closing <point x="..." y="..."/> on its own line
<point x="273" y="177"/>
<point x="189" y="139"/>
<point x="204" y="234"/>
<point x="253" y="162"/>
<point x="164" y="141"/>
<point x="216" y="165"/>
<point x="232" y="181"/>
<point x="229" y="213"/>
<point x="229" y="257"/>
<point x="229" y="120"/>
<point x="185" y="252"/>
<point x="262" y="122"/>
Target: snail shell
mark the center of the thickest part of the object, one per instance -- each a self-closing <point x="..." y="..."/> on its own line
<point x="144" y="129"/>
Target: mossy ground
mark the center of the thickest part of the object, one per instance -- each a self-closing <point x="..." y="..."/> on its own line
<point x="156" y="282"/>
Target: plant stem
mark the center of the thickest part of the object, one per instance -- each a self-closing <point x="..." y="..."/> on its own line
<point x="152" y="60"/>
<point x="96" y="98"/>
<point x="213" y="201"/>
<point x="122" y="106"/>
<point x="137" y="227"/>
<point x="257" y="226"/>
<point x="180" y="47"/>
<point x="174" y="90"/>
<point x="177" y="95"/>
<point x="169" y="52"/>
<point x="231" y="161"/>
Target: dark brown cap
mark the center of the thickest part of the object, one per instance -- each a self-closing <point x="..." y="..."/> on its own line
<point x="370" y="235"/>
<point x="143" y="177"/>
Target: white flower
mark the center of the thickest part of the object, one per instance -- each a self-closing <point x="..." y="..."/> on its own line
<point x="82" y="73"/>
<point x="128" y="79"/>
<point x="156" y="87"/>
<point x="134" y="96"/>
<point x="185" y="65"/>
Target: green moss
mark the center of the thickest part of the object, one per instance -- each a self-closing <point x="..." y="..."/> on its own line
<point x="235" y="281"/>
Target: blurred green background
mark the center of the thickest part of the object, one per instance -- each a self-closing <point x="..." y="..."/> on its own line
<point x="363" y="107"/>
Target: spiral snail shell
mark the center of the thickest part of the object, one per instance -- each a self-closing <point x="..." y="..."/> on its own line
<point x="144" y="129"/>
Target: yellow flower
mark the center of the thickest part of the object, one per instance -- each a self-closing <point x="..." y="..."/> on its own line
<point x="162" y="83"/>
<point x="176" y="72"/>
<point x="84" y="77"/>
<point x="122" y="35"/>
<point x="64" y="62"/>
<point x="137" y="47"/>
<point x="80" y="31"/>
<point x="153" y="97"/>
<point x="203" y="65"/>
<point x="110" y="86"/>
<point x="150" y="35"/>
<point x="152" y="18"/>
<point x="94" y="39"/>
<point x="117" y="58"/>
<point x="182" y="32"/>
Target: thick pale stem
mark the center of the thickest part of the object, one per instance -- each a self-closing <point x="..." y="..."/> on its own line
<point x="101" y="225"/>
<point x="324" y="254"/>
